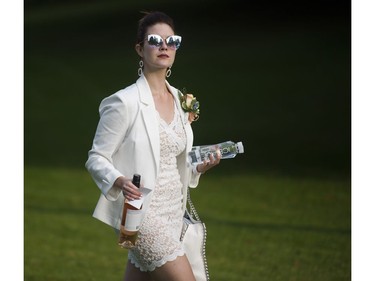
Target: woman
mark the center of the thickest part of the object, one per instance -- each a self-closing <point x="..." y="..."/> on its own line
<point x="143" y="129"/>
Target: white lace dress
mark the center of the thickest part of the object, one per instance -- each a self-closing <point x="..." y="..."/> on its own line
<point x="159" y="235"/>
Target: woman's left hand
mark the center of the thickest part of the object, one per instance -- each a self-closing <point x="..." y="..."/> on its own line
<point x="208" y="164"/>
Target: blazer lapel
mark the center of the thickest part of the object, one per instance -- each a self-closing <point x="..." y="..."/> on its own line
<point x="184" y="118"/>
<point x="148" y="113"/>
<point x="183" y="114"/>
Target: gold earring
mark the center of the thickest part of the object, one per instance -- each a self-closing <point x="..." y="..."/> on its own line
<point x="169" y="72"/>
<point x="140" y="69"/>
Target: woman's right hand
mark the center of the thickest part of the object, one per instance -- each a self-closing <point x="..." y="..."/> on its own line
<point x="208" y="164"/>
<point x="129" y="190"/>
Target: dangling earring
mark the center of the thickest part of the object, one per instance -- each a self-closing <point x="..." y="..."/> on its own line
<point x="169" y="72"/>
<point x="140" y="69"/>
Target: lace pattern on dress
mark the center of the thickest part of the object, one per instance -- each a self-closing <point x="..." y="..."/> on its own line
<point x="159" y="235"/>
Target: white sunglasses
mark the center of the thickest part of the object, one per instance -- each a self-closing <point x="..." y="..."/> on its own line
<point x="173" y="41"/>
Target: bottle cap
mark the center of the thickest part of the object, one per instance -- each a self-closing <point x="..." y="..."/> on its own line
<point x="240" y="148"/>
<point x="136" y="180"/>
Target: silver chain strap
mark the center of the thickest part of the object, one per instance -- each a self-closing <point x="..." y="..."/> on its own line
<point x="192" y="209"/>
<point x="193" y="212"/>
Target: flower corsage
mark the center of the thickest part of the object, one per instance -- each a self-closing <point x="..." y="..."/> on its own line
<point x="190" y="105"/>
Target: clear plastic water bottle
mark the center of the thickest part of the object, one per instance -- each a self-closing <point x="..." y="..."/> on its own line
<point x="228" y="149"/>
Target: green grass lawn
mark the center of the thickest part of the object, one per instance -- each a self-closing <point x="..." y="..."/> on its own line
<point x="259" y="228"/>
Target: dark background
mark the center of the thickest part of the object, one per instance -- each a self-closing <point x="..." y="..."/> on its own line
<point x="273" y="74"/>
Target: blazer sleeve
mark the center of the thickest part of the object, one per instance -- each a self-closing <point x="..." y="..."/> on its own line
<point x="194" y="176"/>
<point x="110" y="133"/>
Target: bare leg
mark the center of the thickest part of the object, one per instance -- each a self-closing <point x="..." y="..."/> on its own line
<point x="177" y="270"/>
<point x="135" y="274"/>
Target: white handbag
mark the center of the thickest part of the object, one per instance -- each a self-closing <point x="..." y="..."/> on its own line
<point x="193" y="238"/>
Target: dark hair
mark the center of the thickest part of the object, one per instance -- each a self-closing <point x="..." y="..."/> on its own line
<point x="150" y="19"/>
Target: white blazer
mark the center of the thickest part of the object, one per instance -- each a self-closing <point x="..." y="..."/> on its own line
<point x="127" y="142"/>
